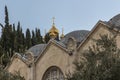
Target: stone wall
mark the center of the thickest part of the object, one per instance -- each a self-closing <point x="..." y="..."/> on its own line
<point x="19" y="66"/>
<point x="53" y="56"/>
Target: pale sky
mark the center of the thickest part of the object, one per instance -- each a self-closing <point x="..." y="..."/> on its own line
<point x="69" y="14"/>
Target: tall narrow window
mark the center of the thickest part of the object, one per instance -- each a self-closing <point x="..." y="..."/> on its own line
<point x="53" y="73"/>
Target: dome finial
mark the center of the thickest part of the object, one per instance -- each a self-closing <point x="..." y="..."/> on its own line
<point x="53" y="19"/>
<point x="62" y="35"/>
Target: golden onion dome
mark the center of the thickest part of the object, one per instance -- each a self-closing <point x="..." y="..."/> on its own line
<point x="53" y="32"/>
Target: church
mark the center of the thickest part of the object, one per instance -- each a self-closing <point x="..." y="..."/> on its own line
<point x="52" y="61"/>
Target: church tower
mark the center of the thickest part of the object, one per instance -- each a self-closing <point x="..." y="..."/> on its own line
<point x="53" y="32"/>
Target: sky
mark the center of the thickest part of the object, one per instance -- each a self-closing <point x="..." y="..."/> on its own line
<point x="69" y="14"/>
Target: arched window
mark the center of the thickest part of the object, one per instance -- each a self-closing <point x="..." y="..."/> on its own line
<point x="53" y="73"/>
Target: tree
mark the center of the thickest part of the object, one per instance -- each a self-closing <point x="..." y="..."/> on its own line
<point x="14" y="40"/>
<point x="5" y="41"/>
<point x="102" y="61"/>
<point x="6" y="17"/>
<point x="4" y="75"/>
<point x="47" y="38"/>
<point x="20" y="39"/>
<point x="28" y="39"/>
<point x="34" y="40"/>
<point x="38" y="36"/>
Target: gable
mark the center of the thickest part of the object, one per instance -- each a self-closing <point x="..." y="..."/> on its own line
<point x="50" y="43"/>
<point x="52" y="51"/>
<point x="99" y="29"/>
<point x="17" y="65"/>
<point x="53" y="56"/>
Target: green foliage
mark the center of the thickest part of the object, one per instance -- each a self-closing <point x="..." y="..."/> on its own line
<point x="28" y="39"/>
<point x="38" y="36"/>
<point x="6" y="17"/>
<point x="33" y="40"/>
<point x="47" y="38"/>
<point x="102" y="61"/>
<point x="4" y="75"/>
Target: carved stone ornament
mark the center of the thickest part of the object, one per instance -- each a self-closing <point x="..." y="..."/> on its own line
<point x="71" y="45"/>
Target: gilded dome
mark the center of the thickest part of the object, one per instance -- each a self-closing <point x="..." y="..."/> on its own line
<point x="53" y="32"/>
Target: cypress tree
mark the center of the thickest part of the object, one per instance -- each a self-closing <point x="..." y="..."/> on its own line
<point x="13" y="37"/>
<point x="6" y="33"/>
<point x="47" y="38"/>
<point x="6" y="17"/>
<point x="34" y="40"/>
<point x="38" y="36"/>
<point x="20" y="39"/>
<point x="28" y="39"/>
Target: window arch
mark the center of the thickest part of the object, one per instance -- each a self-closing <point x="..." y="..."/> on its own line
<point x="53" y="73"/>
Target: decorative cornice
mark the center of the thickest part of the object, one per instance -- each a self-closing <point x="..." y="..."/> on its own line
<point x="17" y="55"/>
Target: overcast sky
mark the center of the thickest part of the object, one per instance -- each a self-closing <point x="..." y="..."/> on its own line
<point x="70" y="14"/>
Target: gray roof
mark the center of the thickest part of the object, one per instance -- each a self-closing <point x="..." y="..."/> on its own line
<point x="78" y="35"/>
<point x="37" y="49"/>
<point x="60" y="43"/>
<point x="115" y="21"/>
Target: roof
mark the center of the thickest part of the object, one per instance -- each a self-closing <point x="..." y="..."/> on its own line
<point x="37" y="49"/>
<point x="78" y="35"/>
<point x="115" y="21"/>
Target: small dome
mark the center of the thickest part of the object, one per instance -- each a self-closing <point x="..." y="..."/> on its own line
<point x="115" y="21"/>
<point x="37" y="49"/>
<point x="78" y="35"/>
<point x="62" y="36"/>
